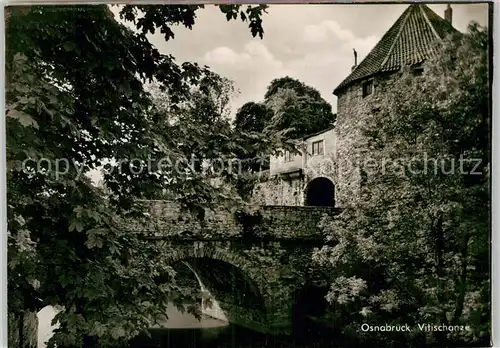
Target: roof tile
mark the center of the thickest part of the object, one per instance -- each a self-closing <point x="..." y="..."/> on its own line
<point x="409" y="41"/>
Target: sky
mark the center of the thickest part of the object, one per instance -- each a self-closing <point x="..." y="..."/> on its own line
<point x="313" y="43"/>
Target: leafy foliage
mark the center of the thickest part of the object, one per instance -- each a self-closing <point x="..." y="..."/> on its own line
<point x="253" y="118"/>
<point x="298" y="107"/>
<point x="148" y="18"/>
<point x="414" y="247"/>
<point x="76" y="93"/>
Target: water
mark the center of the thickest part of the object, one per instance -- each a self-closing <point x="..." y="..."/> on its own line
<point x="45" y="329"/>
<point x="230" y="336"/>
<point x="180" y="330"/>
<point x="183" y="330"/>
<point x="186" y="331"/>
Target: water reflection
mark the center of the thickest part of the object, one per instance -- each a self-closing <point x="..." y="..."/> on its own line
<point x="183" y="330"/>
<point x="184" y="320"/>
<point x="230" y="336"/>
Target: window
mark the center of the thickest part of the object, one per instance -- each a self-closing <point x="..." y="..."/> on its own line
<point x="367" y="88"/>
<point x="317" y="148"/>
<point x="289" y="156"/>
<point x="418" y="71"/>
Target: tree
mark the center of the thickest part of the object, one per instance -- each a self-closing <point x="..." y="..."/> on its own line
<point x="208" y="106"/>
<point x="298" y="107"/>
<point x="75" y="98"/>
<point x="414" y="247"/>
<point x="252" y="117"/>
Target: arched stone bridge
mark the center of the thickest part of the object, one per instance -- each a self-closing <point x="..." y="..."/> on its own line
<point x="253" y="264"/>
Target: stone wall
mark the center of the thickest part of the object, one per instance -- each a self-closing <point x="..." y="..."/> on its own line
<point x="352" y="112"/>
<point x="167" y="219"/>
<point x="292" y="222"/>
<point x="279" y="191"/>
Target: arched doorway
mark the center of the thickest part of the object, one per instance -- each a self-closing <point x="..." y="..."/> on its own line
<point x="320" y="192"/>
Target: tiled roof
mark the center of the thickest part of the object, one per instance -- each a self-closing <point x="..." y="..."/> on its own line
<point x="407" y="42"/>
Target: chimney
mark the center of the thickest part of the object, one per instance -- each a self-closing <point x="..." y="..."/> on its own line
<point x="355" y="60"/>
<point x="448" y="14"/>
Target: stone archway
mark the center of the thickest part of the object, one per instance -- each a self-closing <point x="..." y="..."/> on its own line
<point x="320" y="192"/>
<point x="273" y="314"/>
<point x="224" y="277"/>
<point x="228" y="283"/>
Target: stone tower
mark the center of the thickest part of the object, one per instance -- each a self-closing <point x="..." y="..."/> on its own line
<point x="327" y="172"/>
<point x="407" y="43"/>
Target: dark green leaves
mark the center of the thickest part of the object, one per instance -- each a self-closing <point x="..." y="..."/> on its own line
<point x="75" y="91"/>
<point x="252" y="13"/>
<point x="95" y="238"/>
<point x="298" y="107"/>
<point x="151" y="17"/>
<point x="164" y="17"/>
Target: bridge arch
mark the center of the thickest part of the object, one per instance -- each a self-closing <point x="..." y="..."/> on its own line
<point x="220" y="277"/>
<point x="228" y="278"/>
<point x="211" y="250"/>
<point x="320" y="191"/>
